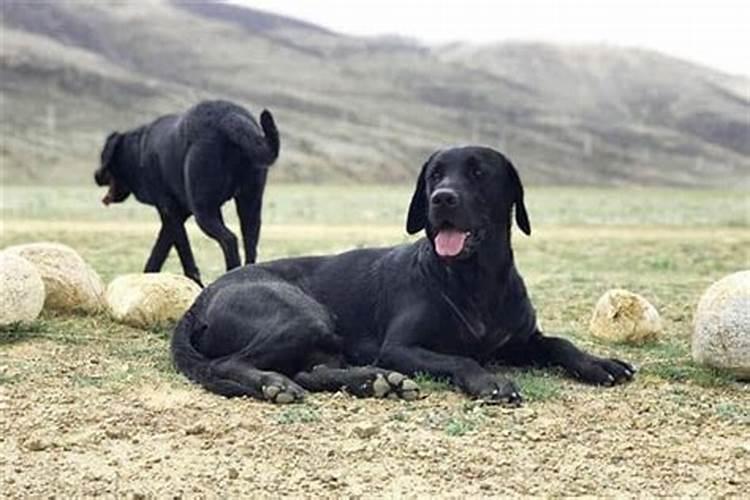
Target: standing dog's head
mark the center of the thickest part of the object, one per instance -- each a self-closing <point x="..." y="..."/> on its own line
<point x="462" y="196"/>
<point x="109" y="174"/>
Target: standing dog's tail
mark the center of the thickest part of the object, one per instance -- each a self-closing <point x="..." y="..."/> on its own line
<point x="271" y="132"/>
<point x="243" y="131"/>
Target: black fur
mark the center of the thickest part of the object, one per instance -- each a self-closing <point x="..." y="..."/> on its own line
<point x="405" y="308"/>
<point x="191" y="164"/>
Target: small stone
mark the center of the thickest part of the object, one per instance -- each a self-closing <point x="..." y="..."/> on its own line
<point x="366" y="430"/>
<point x="195" y="430"/>
<point x="36" y="444"/>
<point x="150" y="300"/>
<point x="233" y="473"/>
<point x="624" y="316"/>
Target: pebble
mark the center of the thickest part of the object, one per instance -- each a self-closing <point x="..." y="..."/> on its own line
<point x="366" y="430"/>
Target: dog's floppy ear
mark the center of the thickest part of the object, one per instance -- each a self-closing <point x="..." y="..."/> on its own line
<point x="416" y="220"/>
<point x="110" y="145"/>
<point x="522" y="217"/>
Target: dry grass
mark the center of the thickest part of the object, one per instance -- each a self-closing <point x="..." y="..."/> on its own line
<point x="91" y="407"/>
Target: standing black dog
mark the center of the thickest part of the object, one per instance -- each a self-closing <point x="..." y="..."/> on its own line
<point x="447" y="305"/>
<point x="192" y="163"/>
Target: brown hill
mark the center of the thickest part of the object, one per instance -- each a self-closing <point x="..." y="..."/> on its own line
<point x="361" y="109"/>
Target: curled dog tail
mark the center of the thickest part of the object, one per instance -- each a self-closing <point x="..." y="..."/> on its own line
<point x="244" y="132"/>
<point x="195" y="365"/>
<point x="271" y="132"/>
<point x="186" y="358"/>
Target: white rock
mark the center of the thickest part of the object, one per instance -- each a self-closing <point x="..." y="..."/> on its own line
<point x="21" y="290"/>
<point x="623" y="316"/>
<point x="721" y="337"/>
<point x="70" y="283"/>
<point x="150" y="300"/>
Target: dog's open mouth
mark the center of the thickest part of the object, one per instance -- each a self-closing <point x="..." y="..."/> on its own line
<point x="110" y="196"/>
<point x="450" y="241"/>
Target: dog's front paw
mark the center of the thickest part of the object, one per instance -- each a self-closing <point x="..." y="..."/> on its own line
<point x="603" y="371"/>
<point x="493" y="389"/>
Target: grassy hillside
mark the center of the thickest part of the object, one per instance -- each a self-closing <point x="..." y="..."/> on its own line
<point x="360" y="109"/>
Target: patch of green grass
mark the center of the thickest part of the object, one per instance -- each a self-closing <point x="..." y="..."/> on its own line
<point x="17" y="332"/>
<point x="734" y="412"/>
<point x="458" y="426"/>
<point x="297" y="414"/>
<point x="89" y="380"/>
<point x="428" y="382"/>
<point x="9" y="379"/>
<point x="538" y="385"/>
<point x="688" y="372"/>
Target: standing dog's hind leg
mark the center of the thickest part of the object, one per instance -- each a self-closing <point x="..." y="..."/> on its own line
<point x="212" y="223"/>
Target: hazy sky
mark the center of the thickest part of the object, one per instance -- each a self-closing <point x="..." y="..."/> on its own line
<point x="712" y="32"/>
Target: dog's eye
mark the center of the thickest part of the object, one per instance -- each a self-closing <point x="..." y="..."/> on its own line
<point x="477" y="173"/>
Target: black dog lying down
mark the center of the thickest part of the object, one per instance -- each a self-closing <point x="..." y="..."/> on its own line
<point x="191" y="164"/>
<point x="446" y="305"/>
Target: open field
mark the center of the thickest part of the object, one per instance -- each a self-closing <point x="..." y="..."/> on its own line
<point x="90" y="407"/>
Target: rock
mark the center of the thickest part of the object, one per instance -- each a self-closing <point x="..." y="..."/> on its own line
<point x="21" y="290"/>
<point x="70" y="283"/>
<point x="721" y="335"/>
<point x="623" y="316"/>
<point x="150" y="300"/>
<point x="36" y="444"/>
<point x="365" y="430"/>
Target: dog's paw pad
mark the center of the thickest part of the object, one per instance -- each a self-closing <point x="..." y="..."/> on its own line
<point x="401" y="387"/>
<point x="395" y="378"/>
<point x="380" y="386"/>
<point x="282" y="394"/>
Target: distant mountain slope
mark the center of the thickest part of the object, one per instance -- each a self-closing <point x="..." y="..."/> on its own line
<point x="364" y="109"/>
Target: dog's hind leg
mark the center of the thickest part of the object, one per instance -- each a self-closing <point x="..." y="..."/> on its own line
<point x="237" y="377"/>
<point x="361" y="381"/>
<point x="249" y="201"/>
<point x="212" y="223"/>
<point x="207" y="188"/>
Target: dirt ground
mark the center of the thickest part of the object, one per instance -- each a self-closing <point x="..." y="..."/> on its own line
<point x="92" y="408"/>
<point x="70" y="436"/>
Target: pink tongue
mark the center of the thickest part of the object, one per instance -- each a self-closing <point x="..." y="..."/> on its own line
<point x="449" y="242"/>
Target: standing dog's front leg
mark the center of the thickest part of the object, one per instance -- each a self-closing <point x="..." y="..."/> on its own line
<point x="160" y="251"/>
<point x="173" y="232"/>
<point x="579" y="364"/>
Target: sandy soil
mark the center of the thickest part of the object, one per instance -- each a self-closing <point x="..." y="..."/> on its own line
<point x="65" y="433"/>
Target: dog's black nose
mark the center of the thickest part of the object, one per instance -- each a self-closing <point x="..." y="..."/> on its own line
<point x="444" y="198"/>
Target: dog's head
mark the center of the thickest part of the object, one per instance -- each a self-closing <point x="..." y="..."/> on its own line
<point x="462" y="196"/>
<point x="108" y="172"/>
